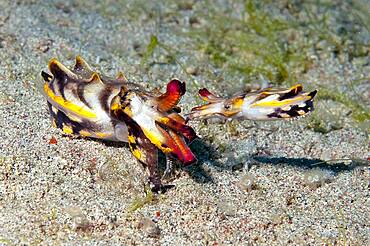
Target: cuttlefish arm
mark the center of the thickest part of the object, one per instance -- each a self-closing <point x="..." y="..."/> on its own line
<point x="141" y="148"/>
<point x="266" y="104"/>
<point x="154" y="124"/>
<point x="169" y="100"/>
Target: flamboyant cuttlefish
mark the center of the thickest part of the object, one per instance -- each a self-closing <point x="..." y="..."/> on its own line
<point x="84" y="103"/>
<point x="265" y="104"/>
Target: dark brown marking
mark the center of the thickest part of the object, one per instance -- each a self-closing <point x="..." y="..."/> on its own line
<point x="60" y="118"/>
<point x="292" y="93"/>
<point x="103" y="98"/>
<point x="57" y="71"/>
<point x="61" y="82"/>
<point x="176" y="109"/>
<point x="312" y="94"/>
<point x="47" y="77"/>
<point x="293" y="112"/>
<point x="80" y="94"/>
<point x="260" y="97"/>
<point x="274" y="115"/>
<point x="133" y="146"/>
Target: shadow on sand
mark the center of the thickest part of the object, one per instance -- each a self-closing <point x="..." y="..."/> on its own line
<point x="336" y="166"/>
<point x="206" y="153"/>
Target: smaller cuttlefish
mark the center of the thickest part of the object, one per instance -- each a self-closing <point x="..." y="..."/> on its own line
<point x="265" y="104"/>
<point x="84" y="103"/>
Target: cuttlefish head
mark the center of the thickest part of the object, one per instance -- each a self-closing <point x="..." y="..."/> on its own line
<point x="158" y="120"/>
<point x="266" y="104"/>
<point x="217" y="106"/>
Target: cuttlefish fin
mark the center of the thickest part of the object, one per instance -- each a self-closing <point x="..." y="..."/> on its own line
<point x="81" y="66"/>
<point x="121" y="77"/>
<point x="292" y="92"/>
<point x="59" y="71"/>
<point x="175" y="90"/>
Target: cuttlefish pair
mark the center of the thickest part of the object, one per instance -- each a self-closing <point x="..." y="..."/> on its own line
<point x="87" y="104"/>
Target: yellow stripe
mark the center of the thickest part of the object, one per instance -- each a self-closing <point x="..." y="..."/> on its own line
<point x="115" y="106"/>
<point x="276" y="103"/>
<point x="164" y="120"/>
<point x="67" y="129"/>
<point x="272" y="91"/>
<point x="102" y="134"/>
<point x="85" y="133"/>
<point x="136" y="153"/>
<point x="157" y="141"/>
<point x="67" y="104"/>
<point x="131" y="139"/>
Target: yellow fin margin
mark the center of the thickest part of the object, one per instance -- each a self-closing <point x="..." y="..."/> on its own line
<point x="68" y="105"/>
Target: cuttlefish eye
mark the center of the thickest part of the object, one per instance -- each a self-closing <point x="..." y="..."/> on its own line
<point x="227" y="106"/>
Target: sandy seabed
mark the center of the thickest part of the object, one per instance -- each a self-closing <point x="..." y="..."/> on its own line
<point x="262" y="183"/>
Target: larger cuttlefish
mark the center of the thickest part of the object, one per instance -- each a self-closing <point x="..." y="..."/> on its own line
<point x="265" y="104"/>
<point x="84" y="103"/>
